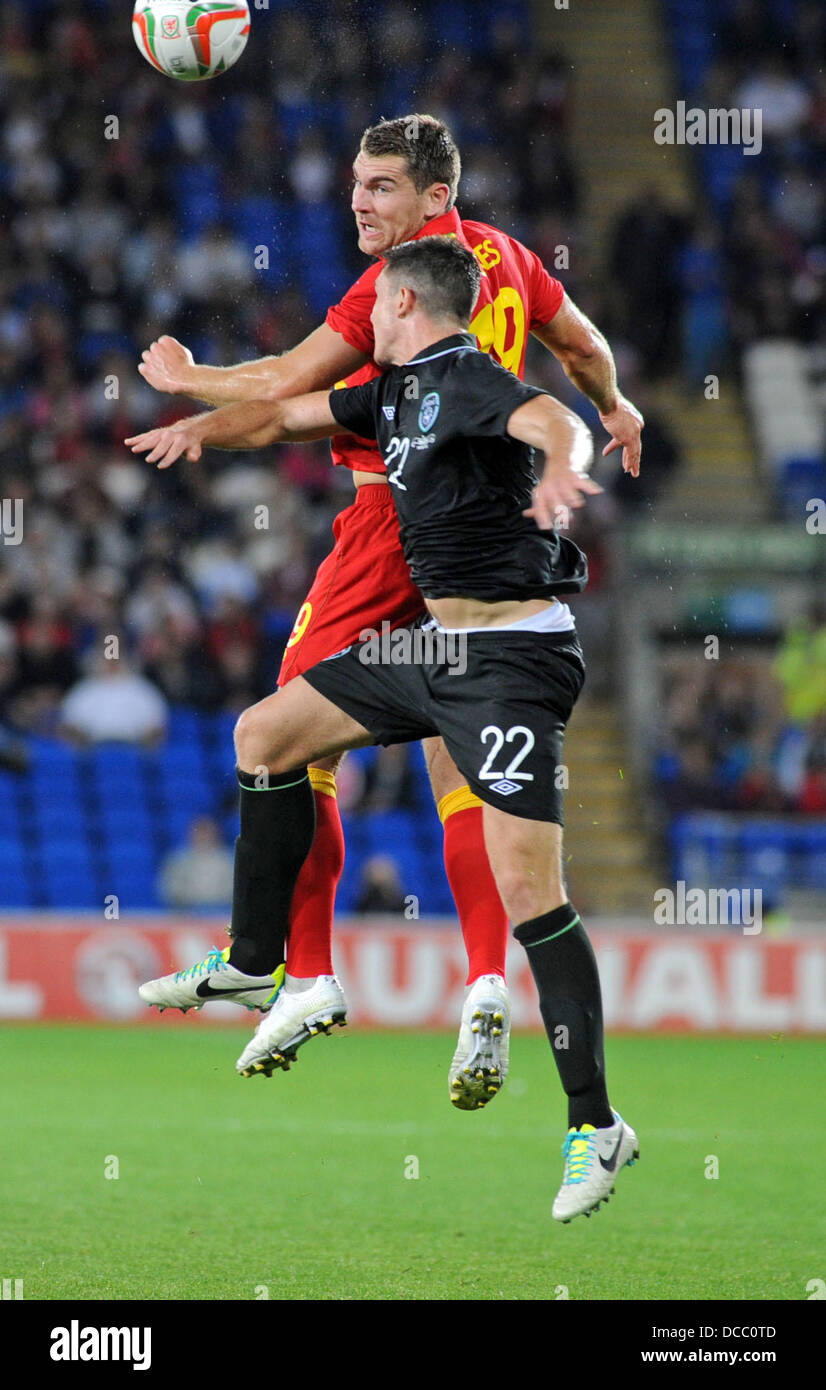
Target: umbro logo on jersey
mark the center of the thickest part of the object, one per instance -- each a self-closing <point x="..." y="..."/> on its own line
<point x="505" y="787"/>
<point x="389" y="411"/>
<point x="336" y="655"/>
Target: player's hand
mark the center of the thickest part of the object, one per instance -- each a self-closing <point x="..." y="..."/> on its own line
<point x="164" y="446"/>
<point x="165" y="365"/>
<point x="561" y="488"/>
<point x="624" y="423"/>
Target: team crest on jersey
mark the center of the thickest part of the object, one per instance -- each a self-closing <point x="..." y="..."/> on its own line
<point x="171" y="26"/>
<point x="429" y="411"/>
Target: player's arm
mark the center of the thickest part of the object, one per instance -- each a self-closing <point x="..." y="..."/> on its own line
<point x="245" y="425"/>
<point x="546" y="424"/>
<point x="588" y="362"/>
<point x="321" y="359"/>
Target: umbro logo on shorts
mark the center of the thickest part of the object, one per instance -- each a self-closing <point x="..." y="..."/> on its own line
<point x="505" y="788"/>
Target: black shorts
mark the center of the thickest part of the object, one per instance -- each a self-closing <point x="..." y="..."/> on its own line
<point x="502" y="718"/>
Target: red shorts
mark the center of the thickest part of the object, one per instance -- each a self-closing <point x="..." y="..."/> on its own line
<point x="363" y="582"/>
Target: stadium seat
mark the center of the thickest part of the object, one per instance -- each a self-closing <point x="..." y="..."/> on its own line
<point x="808" y="844"/>
<point x="110" y="762"/>
<point x="764" y="846"/>
<point x="702" y="848"/>
<point x="800" y="480"/>
<point x="184" y="727"/>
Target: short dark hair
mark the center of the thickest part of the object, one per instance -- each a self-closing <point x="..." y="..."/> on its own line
<point x="427" y="145"/>
<point x="444" y="274"/>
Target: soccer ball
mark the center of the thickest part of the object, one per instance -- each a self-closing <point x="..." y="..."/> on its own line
<point x="190" y="40"/>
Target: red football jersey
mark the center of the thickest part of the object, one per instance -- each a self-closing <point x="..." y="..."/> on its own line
<point x="516" y="295"/>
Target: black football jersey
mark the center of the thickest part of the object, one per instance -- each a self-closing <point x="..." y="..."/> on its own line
<point x="460" y="483"/>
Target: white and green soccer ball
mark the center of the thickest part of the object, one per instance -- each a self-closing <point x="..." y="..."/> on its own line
<point x="191" y="39"/>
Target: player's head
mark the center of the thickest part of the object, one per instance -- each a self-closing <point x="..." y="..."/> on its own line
<point x="426" y="291"/>
<point x="406" y="173"/>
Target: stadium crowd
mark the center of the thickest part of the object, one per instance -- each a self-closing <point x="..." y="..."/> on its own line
<point x="748" y="732"/>
<point x="132" y="206"/>
<point x="107" y="242"/>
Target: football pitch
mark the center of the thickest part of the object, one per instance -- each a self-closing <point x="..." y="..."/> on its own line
<point x="351" y="1177"/>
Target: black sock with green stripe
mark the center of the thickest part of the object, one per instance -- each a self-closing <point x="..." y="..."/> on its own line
<point x="277" y="829"/>
<point x="565" y="970"/>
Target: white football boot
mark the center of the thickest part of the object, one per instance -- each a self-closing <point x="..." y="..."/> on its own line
<point x="593" y="1157"/>
<point x="293" y="1020"/>
<point x="213" y="978"/>
<point x="480" y="1062"/>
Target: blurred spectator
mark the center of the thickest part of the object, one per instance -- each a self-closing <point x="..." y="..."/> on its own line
<point x="381" y="889"/>
<point x="726" y="742"/>
<point x="199" y="875"/>
<point x="113" y="704"/>
<point x="801" y="666"/>
<point x="645" y="249"/>
<point x="773" y="88"/>
<point x="389" y="782"/>
<point x="695" y="786"/>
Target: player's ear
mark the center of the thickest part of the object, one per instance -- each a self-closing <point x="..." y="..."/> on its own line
<point x="439" y="196"/>
<point x="405" y="301"/>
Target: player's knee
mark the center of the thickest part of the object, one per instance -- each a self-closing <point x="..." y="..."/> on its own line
<point x="256" y="743"/>
<point x="524" y="898"/>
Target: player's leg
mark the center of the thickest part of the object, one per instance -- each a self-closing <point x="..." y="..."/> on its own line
<point x="310" y="937"/>
<point x="482" y="917"/>
<point x="363" y="582"/>
<point x="312" y="999"/>
<point x="479" y="1066"/>
<point x="385" y="700"/>
<point x="274" y="741"/>
<point x="526" y="858"/>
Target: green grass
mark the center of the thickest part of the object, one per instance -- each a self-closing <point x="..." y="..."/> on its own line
<point x="298" y="1182"/>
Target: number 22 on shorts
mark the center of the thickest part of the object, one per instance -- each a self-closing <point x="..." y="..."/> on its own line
<point x="487" y="773"/>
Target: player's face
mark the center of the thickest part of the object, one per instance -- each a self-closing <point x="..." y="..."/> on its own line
<point x="387" y="208"/>
<point x="385" y="322"/>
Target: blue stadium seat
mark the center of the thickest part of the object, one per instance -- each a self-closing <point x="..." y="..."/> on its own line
<point x="116" y="762"/>
<point x="55" y="820"/>
<point x="16" y="892"/>
<point x="68" y="855"/>
<point x="764" y="846"/>
<point x="800" y="480"/>
<point x="809" y="845"/>
<point x="12" y="853"/>
<point x="183" y="760"/>
<point x="10" y="819"/>
<point x="184" y="727"/>
<point x="71" y="891"/>
<point x="135" y="891"/>
<point x="702" y="849"/>
<point x="48" y="753"/>
<point x="184" y="798"/>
